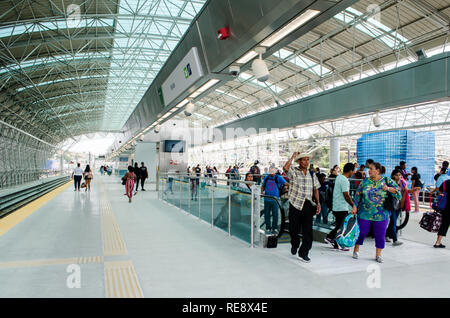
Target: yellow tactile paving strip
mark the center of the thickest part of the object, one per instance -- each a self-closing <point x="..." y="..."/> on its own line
<point x="120" y="277"/>
<point x="12" y="219"/>
<point x="121" y="280"/>
<point x="48" y="262"/>
<point x="113" y="243"/>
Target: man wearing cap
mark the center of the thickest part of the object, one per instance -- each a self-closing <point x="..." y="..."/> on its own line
<point x="303" y="186"/>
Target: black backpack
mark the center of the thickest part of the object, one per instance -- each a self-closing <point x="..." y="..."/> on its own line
<point x="329" y="195"/>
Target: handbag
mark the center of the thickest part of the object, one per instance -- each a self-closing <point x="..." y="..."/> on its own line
<point x="83" y="185"/>
<point x="431" y="222"/>
<point x="440" y="201"/>
<point x="391" y="203"/>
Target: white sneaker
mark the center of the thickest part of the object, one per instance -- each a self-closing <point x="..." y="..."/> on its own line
<point x="379" y="259"/>
<point x="355" y="255"/>
<point x="397" y="243"/>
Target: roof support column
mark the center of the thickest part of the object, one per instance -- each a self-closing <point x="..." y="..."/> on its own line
<point x="335" y="146"/>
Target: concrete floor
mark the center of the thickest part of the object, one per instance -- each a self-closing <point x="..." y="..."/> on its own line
<point x="150" y="249"/>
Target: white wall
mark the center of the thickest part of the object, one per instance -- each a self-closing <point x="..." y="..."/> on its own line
<point x="146" y="152"/>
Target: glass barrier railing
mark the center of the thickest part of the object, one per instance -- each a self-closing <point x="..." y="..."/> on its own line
<point x="227" y="207"/>
<point x="228" y="204"/>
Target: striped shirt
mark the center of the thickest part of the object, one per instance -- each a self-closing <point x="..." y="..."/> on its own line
<point x="301" y="187"/>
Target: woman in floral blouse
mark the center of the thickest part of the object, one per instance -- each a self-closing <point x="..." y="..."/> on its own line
<point x="370" y="197"/>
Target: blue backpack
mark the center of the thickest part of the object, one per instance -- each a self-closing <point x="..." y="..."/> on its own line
<point x="349" y="232"/>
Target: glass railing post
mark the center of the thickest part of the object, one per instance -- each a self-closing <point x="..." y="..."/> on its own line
<point x="229" y="210"/>
<point x="212" y="207"/>
<point x="180" y="191"/>
<point x="252" y="218"/>
<point x="189" y="194"/>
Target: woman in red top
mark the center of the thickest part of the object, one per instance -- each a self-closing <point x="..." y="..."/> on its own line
<point x="130" y="178"/>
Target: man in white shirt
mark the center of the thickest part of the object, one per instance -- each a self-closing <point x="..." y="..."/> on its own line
<point x="77" y="175"/>
<point x="366" y="170"/>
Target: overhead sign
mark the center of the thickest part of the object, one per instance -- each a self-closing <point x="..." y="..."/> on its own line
<point x="185" y="74"/>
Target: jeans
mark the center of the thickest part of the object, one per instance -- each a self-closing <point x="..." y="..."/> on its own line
<point x="137" y="183"/>
<point x="77" y="181"/>
<point x="169" y="185"/>
<point x="323" y="214"/>
<point x="271" y="206"/>
<point x="392" y="228"/>
<point x="194" y="189"/>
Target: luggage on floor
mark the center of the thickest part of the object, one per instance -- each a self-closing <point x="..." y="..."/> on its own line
<point x="272" y="241"/>
<point x="431" y="221"/>
<point x="348" y="234"/>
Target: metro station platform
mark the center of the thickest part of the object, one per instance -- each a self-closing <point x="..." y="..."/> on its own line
<point x="150" y="249"/>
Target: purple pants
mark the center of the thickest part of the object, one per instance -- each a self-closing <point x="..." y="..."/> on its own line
<point x="379" y="230"/>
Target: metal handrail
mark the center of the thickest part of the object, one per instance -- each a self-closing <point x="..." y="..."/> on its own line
<point x="205" y="178"/>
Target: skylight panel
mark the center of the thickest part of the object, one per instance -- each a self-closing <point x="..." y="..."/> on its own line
<point x="245" y="76"/>
<point x="373" y="28"/>
<point x="234" y="96"/>
<point x="302" y="62"/>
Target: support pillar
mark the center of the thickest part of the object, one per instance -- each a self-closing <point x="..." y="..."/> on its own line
<point x="61" y="164"/>
<point x="335" y="146"/>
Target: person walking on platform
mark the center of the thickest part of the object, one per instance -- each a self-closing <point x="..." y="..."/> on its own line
<point x="370" y="197"/>
<point x="256" y="172"/>
<point x="303" y="186"/>
<point x="416" y="183"/>
<point x="271" y="185"/>
<point x="77" y="175"/>
<point x="129" y="178"/>
<point x="342" y="203"/>
<point x="445" y="216"/>
<point x="366" y="169"/>
<point x="405" y="205"/>
<point x="88" y="176"/>
<point x="137" y="172"/>
<point x="403" y="171"/>
<point x="227" y="173"/>
<point x="194" y="183"/>
<point x="143" y="173"/>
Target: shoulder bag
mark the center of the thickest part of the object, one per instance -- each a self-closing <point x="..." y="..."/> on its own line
<point x="391" y="203"/>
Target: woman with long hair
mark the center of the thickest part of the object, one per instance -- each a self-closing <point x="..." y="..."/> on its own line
<point x="130" y="178"/>
<point x="370" y="198"/>
<point x="405" y="205"/>
<point x="88" y="176"/>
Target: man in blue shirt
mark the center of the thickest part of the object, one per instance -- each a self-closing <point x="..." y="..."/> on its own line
<point x="271" y="186"/>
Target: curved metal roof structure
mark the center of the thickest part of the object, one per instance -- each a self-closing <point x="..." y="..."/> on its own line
<point x="64" y="73"/>
<point x="367" y="38"/>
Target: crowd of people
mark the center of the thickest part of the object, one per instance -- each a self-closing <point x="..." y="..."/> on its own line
<point x="105" y="170"/>
<point x="311" y="193"/>
<point x="307" y="192"/>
